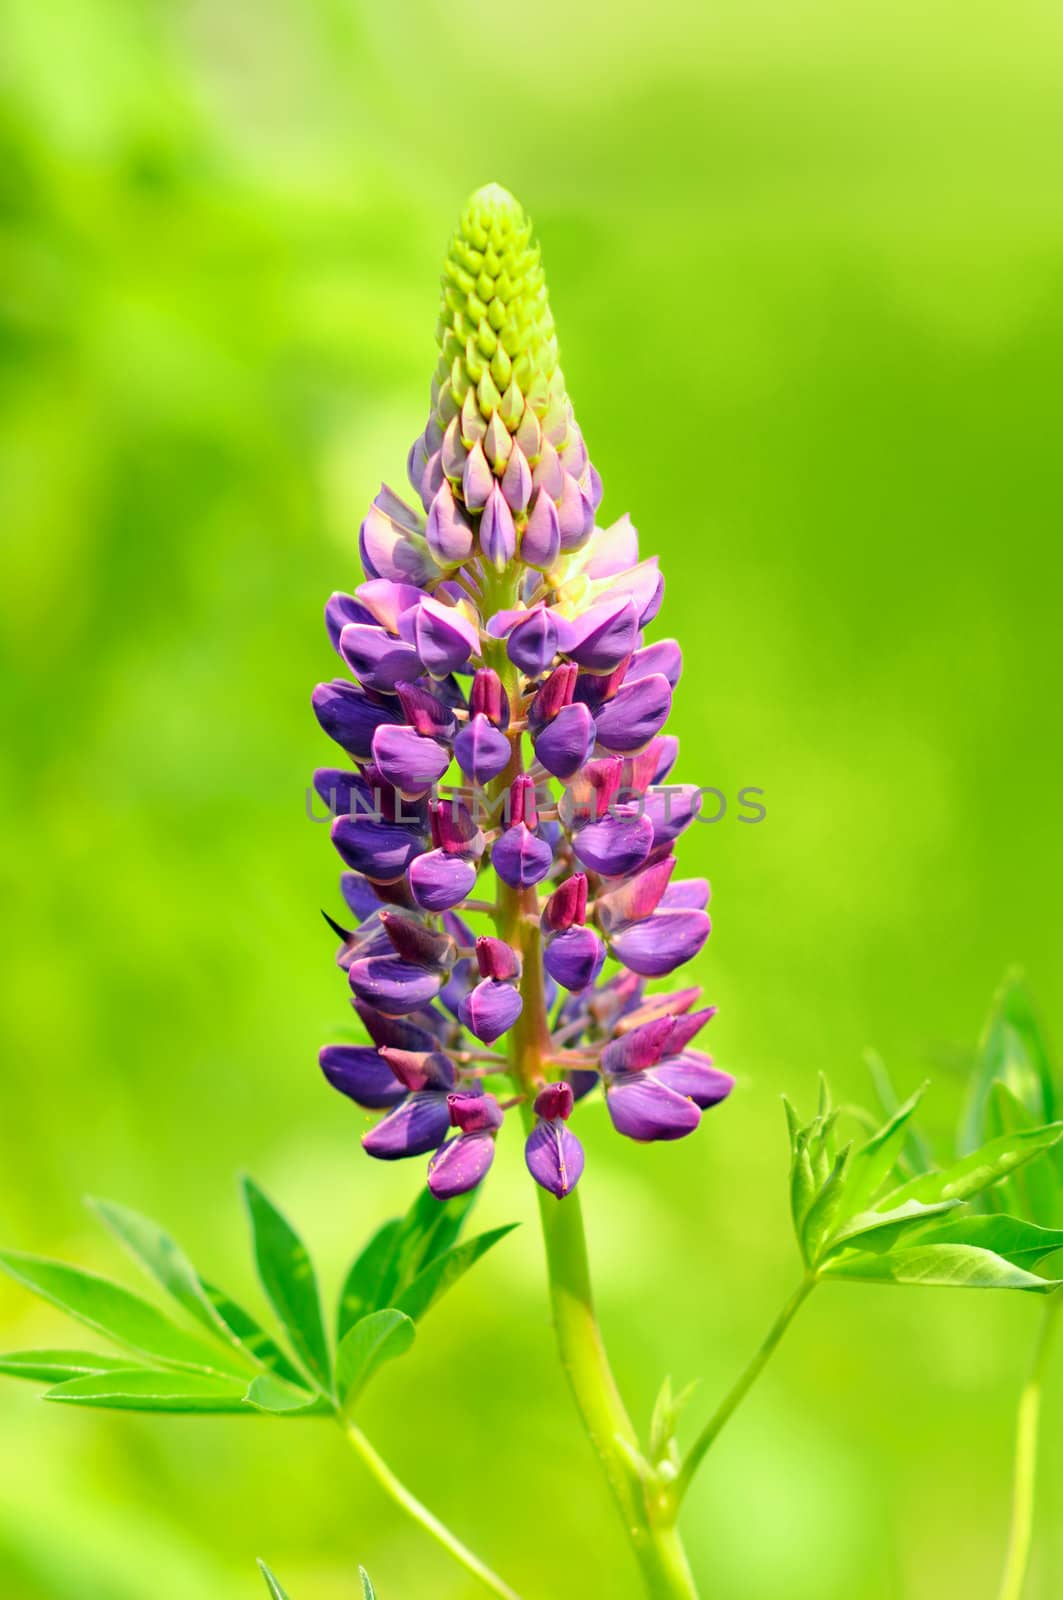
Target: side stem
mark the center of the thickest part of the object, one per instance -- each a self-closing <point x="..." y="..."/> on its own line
<point x="1025" y="1472"/>
<point x="421" y="1514"/>
<point x="730" y="1403"/>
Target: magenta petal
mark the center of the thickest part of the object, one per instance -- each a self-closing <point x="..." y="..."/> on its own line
<point x="636" y="897"/>
<point x="644" y="1109"/>
<point x="359" y="1072"/>
<point x="490" y="1010"/>
<point x="661" y="943"/>
<point x="439" y="880"/>
<point x="415" y="1127"/>
<point x="635" y="713"/>
<point x="462" y="1163"/>
<point x="554" y="1157"/>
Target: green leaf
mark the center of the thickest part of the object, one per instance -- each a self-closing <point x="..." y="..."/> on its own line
<point x="269" y="1393"/>
<point x="825" y="1208"/>
<point x="138" y="1389"/>
<point x="916" y="1155"/>
<point x="977" y="1171"/>
<point x="56" y="1366"/>
<point x="880" y="1230"/>
<point x="1012" y="1050"/>
<point x="166" y="1262"/>
<point x="368" y="1592"/>
<point x="399" y="1252"/>
<point x="112" y="1311"/>
<point x="370" y="1274"/>
<point x="667" y="1410"/>
<point x="290" y="1283"/>
<point x="1034" y="1190"/>
<point x="445" y="1271"/>
<point x="960" y="1266"/>
<point x="271" y="1583"/>
<point x="873" y="1162"/>
<point x="379" y="1337"/>
<point x="1018" y="1241"/>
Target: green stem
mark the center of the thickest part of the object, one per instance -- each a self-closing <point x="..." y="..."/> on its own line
<point x="421" y="1514"/>
<point x="707" y="1437"/>
<point x="1025" y="1479"/>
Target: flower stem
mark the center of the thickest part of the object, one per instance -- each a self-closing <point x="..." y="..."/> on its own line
<point x="731" y="1401"/>
<point x="421" y="1514"/>
<point x="1025" y="1472"/>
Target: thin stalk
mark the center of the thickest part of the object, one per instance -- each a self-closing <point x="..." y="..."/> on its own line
<point x="730" y="1403"/>
<point x="1024" y="1483"/>
<point x="421" y="1514"/>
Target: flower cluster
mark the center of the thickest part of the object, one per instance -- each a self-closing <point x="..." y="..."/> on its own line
<point x="498" y="642"/>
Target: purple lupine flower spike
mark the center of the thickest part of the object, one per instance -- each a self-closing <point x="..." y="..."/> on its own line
<point x="503" y="719"/>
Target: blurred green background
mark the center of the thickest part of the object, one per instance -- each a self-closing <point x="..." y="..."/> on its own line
<point x="805" y="261"/>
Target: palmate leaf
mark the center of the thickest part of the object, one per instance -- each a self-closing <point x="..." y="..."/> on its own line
<point x="874" y="1161"/>
<point x="428" y="1286"/>
<point x="272" y="1394"/>
<point x="368" y="1592"/>
<point x="916" y="1155"/>
<point x="978" y="1171"/>
<point x="1022" y="1243"/>
<point x="164" y="1260"/>
<point x="140" y="1389"/>
<point x="963" y="1266"/>
<point x="398" y="1253"/>
<point x="288" y="1278"/>
<point x="379" y="1337"/>
<point x="117" y="1314"/>
<point x="1035" y="1190"/>
<point x="272" y="1584"/>
<point x="57" y="1366"/>
<point x="1012" y="1051"/>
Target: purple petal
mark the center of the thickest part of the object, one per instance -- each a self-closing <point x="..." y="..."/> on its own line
<point x="399" y="1033"/>
<point x="533" y="642"/>
<point x="566" y="742"/>
<point x="644" y="1109"/>
<point x="604" y="635"/>
<point x="409" y="762"/>
<point x="381" y="850"/>
<point x="664" y="657"/>
<point x="362" y="1075"/>
<point x="481" y="751"/>
<point x="540" y="543"/>
<point x="376" y="659"/>
<point x="448" y="531"/>
<point x="349" y="716"/>
<point x="521" y="858"/>
<point x="439" y="880"/>
<point x="392" y="985"/>
<point x="615" y="846"/>
<point x="574" y="958"/>
<point x="461" y="1164"/>
<point x="635" y="713"/>
<point x="661" y="943"/>
<point x="575" y="514"/>
<point x="498" y="536"/>
<point x="359" y="894"/>
<point x="490" y="1009"/>
<point x="344" y="793"/>
<point x="444" y="637"/>
<point x="645" y="585"/>
<point x="477" y="478"/>
<point x="517" y="481"/>
<point x="339" y="610"/>
<point x="417" y="1070"/>
<point x="415" y="1127"/>
<point x="554" y="1157"/>
<point x="389" y="552"/>
<point x="387" y="601"/>
<point x="689" y="894"/>
<point x="672" y="811"/>
<point x="694" y="1075"/>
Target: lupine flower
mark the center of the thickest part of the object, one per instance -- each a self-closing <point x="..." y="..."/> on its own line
<point x="499" y="636"/>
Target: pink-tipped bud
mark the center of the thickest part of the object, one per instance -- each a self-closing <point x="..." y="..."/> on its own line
<point x="496" y="959"/>
<point x="555" y="694"/>
<point x="567" y="906"/>
<point x="487" y="697"/>
<point x="522" y="807"/>
<point x="474" y="1113"/>
<point x="554" y="1102"/>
